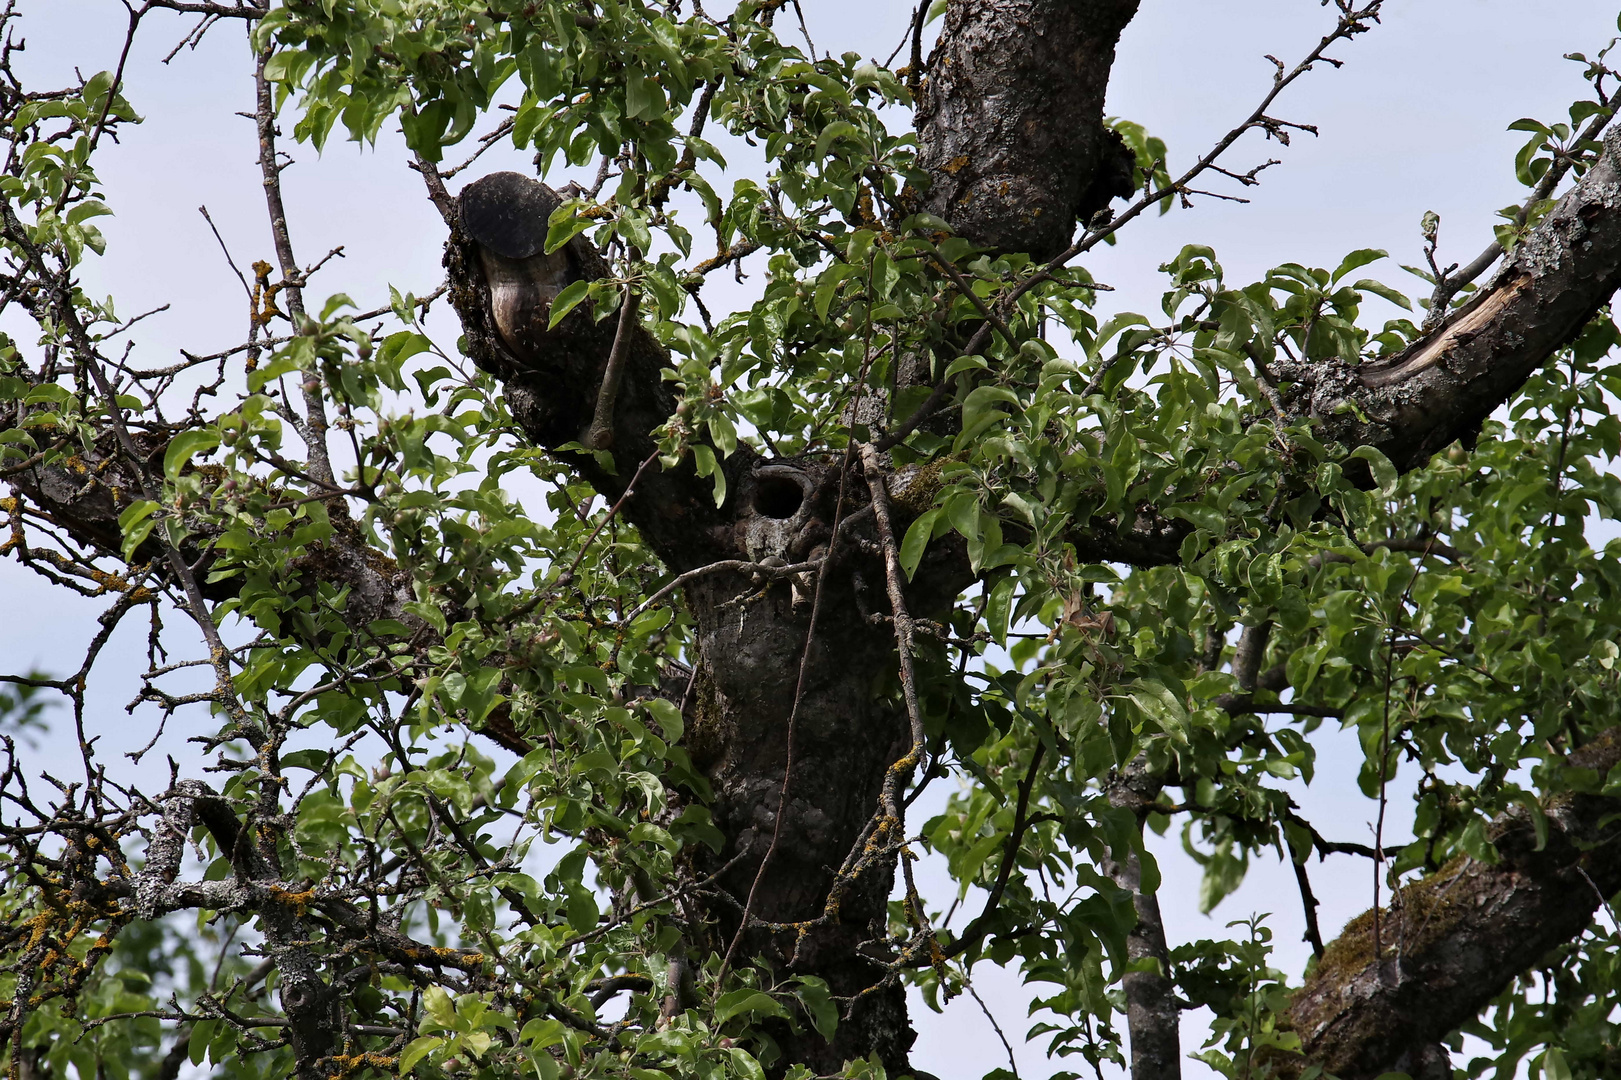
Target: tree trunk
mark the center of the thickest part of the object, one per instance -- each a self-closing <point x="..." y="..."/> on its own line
<point x="814" y="900"/>
<point x="759" y="699"/>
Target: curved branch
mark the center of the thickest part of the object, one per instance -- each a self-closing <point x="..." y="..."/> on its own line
<point x="1444" y="386"/>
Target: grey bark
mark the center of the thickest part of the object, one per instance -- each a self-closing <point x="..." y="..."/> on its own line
<point x="1010" y="121"/>
<point x="1450" y="943"/>
<point x="314" y="1017"/>
<point x="1153" y="1018"/>
<point x="1443" y="387"/>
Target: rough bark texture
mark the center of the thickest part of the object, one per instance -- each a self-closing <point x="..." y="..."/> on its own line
<point x="1451" y="942"/>
<point x="1444" y="386"/>
<point x="749" y="693"/>
<point x="1010" y="122"/>
<point x="1153" y="1018"/>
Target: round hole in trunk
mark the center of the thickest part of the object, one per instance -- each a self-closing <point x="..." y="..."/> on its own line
<point x="777" y="496"/>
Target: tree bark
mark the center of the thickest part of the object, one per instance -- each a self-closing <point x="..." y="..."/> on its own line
<point x="1444" y="386"/>
<point x="1010" y="124"/>
<point x="1450" y="943"/>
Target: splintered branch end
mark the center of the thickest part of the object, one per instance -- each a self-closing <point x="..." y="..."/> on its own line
<point x="600" y="435"/>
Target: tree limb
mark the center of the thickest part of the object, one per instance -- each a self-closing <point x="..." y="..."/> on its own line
<point x="503" y="282"/>
<point x="1452" y="941"/>
<point x="1444" y="386"/>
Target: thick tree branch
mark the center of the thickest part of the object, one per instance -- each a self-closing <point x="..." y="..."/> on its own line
<point x="1451" y="942"/>
<point x="503" y="282"/>
<point x="1444" y="386"/>
<point x="1002" y="172"/>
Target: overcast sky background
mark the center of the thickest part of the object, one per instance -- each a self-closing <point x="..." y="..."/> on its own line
<point x="1415" y="121"/>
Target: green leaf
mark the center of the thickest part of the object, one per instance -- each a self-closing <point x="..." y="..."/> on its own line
<point x="567" y="301"/>
<point x="703" y="459"/>
<point x="86" y="210"/>
<point x="827" y="287"/>
<point x="979" y="409"/>
<point x="202" y="1033"/>
<point x="542" y="1032"/>
<point x="564" y="225"/>
<point x="1395" y="296"/>
<point x="1200" y="515"/>
<point x="838" y="129"/>
<point x="745" y="1064"/>
<point x="963" y="512"/>
<point x="723" y="433"/>
<point x="747" y="1003"/>
<point x="916" y="541"/>
<point x="186" y="445"/>
<point x="885" y="275"/>
<point x="1223" y="873"/>
<point x="814" y="995"/>
<point x="437" y="1003"/>
<point x="418" y="1049"/>
<point x="1356" y="260"/>
<point x="1475" y="843"/>
<point x="1384" y="473"/>
<point x="582" y="911"/>
<point x="136" y="525"/>
<point x="668" y="716"/>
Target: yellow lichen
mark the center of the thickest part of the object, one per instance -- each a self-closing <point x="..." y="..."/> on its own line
<point x="298" y="901"/>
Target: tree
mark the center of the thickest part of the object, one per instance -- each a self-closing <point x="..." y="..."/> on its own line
<point x="917" y="512"/>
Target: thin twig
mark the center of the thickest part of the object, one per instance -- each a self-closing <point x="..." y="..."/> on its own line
<point x="314" y="427"/>
<point x="894" y="578"/>
<point x="203" y="210"/>
<point x="1010" y="851"/>
<point x="1012" y="1063"/>
<point x="1447" y="286"/>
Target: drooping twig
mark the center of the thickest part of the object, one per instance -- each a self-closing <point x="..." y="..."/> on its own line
<point x="1010" y="851"/>
<point x="1308" y="904"/>
<point x="894" y="579"/>
<point x="1012" y="1062"/>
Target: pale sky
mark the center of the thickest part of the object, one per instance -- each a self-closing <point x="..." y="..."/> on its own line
<point x="1415" y="121"/>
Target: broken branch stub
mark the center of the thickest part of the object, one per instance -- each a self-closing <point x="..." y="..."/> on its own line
<point x="503" y="283"/>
